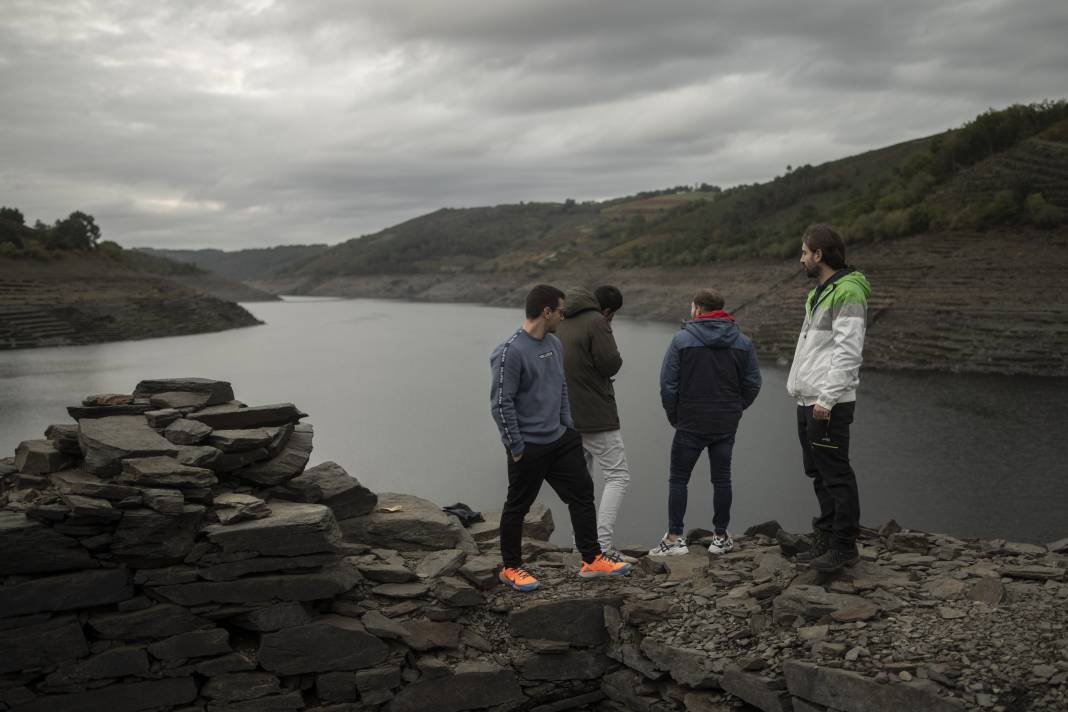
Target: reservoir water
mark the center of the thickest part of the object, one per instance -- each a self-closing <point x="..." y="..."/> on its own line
<point x="399" y="395"/>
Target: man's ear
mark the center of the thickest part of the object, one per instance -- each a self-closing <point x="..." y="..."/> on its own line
<point x="817" y="256"/>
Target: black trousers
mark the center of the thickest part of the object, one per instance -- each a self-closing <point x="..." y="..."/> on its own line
<point x="825" y="454"/>
<point x="563" y="466"/>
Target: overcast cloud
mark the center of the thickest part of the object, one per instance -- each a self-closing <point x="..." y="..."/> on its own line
<point x="248" y="124"/>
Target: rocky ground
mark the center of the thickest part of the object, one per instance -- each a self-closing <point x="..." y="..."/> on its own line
<point x="173" y="550"/>
<point x="940" y="302"/>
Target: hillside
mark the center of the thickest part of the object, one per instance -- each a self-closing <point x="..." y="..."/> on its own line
<point x="1005" y="168"/>
<point x="242" y="265"/>
<point x="84" y="298"/>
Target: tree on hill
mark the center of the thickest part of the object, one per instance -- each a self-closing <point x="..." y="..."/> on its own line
<point x="79" y="231"/>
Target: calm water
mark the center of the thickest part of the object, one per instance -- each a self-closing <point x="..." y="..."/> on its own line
<point x="399" y="395"/>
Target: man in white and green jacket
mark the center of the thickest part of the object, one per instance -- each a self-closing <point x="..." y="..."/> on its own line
<point x="823" y="380"/>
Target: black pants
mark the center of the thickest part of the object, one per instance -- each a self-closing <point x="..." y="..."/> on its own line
<point x="563" y="466"/>
<point x="825" y="453"/>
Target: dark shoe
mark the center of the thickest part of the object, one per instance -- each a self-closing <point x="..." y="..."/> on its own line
<point x="834" y="560"/>
<point x="820" y="545"/>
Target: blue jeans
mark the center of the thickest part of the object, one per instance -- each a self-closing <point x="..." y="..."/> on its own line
<point x="685" y="449"/>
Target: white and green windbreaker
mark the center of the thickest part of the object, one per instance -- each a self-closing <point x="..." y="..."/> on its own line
<point x="826" y="366"/>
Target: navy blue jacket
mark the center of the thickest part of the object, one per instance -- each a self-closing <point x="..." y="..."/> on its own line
<point x="709" y="376"/>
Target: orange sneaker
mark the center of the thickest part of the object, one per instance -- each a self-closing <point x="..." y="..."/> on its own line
<point x="604" y="565"/>
<point x="518" y="578"/>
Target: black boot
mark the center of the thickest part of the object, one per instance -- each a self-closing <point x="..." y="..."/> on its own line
<point x="835" y="560"/>
<point x="821" y="542"/>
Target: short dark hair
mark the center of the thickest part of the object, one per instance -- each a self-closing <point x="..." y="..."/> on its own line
<point x="827" y="241"/>
<point x="608" y="297"/>
<point x="543" y="295"/>
<point x="709" y="299"/>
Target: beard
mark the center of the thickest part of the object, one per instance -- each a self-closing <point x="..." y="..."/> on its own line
<point x="813" y="271"/>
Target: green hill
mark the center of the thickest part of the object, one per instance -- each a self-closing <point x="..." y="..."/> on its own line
<point x="242" y="265"/>
<point x="1004" y="168"/>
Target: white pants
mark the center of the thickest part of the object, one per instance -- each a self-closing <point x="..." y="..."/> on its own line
<point x="605" y="451"/>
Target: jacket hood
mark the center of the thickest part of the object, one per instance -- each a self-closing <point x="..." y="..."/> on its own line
<point x="713" y="332"/>
<point x="858" y="280"/>
<point x="580" y="300"/>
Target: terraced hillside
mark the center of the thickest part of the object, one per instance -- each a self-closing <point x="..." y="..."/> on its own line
<point x="88" y="299"/>
<point x="964" y="302"/>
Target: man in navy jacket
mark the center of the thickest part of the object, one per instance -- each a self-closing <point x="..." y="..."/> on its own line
<point x="709" y="376"/>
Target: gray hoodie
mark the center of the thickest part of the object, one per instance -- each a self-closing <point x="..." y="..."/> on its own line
<point x="528" y="395"/>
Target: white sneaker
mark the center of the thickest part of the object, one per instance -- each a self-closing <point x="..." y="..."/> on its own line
<point x="721" y="544"/>
<point x="667" y="547"/>
<point x="617" y="554"/>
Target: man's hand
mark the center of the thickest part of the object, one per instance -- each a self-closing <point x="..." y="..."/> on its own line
<point x="820" y="413"/>
<point x="517" y="458"/>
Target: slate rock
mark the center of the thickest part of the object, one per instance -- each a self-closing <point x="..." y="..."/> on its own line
<point x="429" y="635"/>
<point x="92" y="412"/>
<point x="29" y="547"/>
<point x="455" y="592"/>
<point x="988" y="590"/>
<point x="40" y="457"/>
<point x="148" y="539"/>
<point x="42" y="645"/>
<point x="240" y="440"/>
<point x="1033" y="573"/>
<point x="329" y="484"/>
<point x="386" y="571"/>
<point x="574" y="620"/>
<point x="160" y="621"/>
<point x="232" y="662"/>
<point x="162" y="418"/>
<point x="481" y="571"/>
<point x="90" y="508"/>
<point x="336" y="686"/>
<point x="261" y="589"/>
<point x="237" y="686"/>
<point x="64" y="437"/>
<point x="537" y="524"/>
<point x="384" y="677"/>
<point x="165" y="472"/>
<point x="401" y="590"/>
<point x="199" y="456"/>
<point x="471" y="686"/>
<point x="329" y="643"/>
<point x="234" y="508"/>
<point x="686" y="666"/>
<point x="186" y="432"/>
<point x="130" y="697"/>
<point x="851" y="692"/>
<point x="65" y="592"/>
<point x="440" y="563"/>
<point x="181" y="400"/>
<point x="87" y="485"/>
<point x="803" y="602"/>
<point x="418" y="524"/>
<point x="769" y="529"/>
<point x="908" y="541"/>
<point x="107" y="441"/>
<point x="286" y="702"/>
<point x="576" y="665"/>
<point x="292" y="529"/>
<point x="255" y="417"/>
<point x="113" y="663"/>
<point x="272" y="618"/>
<point x="164" y="501"/>
<point x="195" y="644"/>
<point x="265" y="564"/>
<point x="217" y="391"/>
<point x="757" y="690"/>
<point x="284" y="466"/>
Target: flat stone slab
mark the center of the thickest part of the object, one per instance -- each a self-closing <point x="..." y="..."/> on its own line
<point x="43" y="645"/>
<point x="65" y="592"/>
<point x="148" y="539"/>
<point x="240" y="440"/>
<point x="195" y="644"/>
<point x="165" y="472"/>
<point x="255" y="417"/>
<point x="130" y="697"/>
<point x="39" y="457"/>
<point x="813" y="603"/>
<point x="106" y="442"/>
<point x="29" y="547"/>
<point x="261" y="589"/>
<point x="159" y="621"/>
<point x="852" y="692"/>
<point x="287" y="464"/>
<point x="573" y="665"/>
<point x="440" y="563"/>
<point x="292" y="529"/>
<point x="218" y="391"/>
<point x="685" y="665"/>
<point x="329" y="643"/>
<point x="186" y="432"/>
<point x="470" y="686"/>
<point x="1033" y="573"/>
<point x="264" y="564"/>
<point x="574" y="620"/>
<point x="537" y="524"/>
<point x="87" y="485"/>
<point x="415" y="524"/>
<point x="90" y="412"/>
<point x="329" y="484"/>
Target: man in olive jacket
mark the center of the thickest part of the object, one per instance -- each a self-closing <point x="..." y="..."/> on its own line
<point x="591" y="359"/>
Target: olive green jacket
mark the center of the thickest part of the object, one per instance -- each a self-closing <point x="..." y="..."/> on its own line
<point x="591" y="358"/>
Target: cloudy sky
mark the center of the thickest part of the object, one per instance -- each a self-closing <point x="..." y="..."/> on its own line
<point x="251" y="123"/>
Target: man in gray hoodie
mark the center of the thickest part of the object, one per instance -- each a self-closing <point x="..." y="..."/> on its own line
<point x="529" y="403"/>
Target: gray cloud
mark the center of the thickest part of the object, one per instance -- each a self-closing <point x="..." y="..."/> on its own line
<point x="255" y="122"/>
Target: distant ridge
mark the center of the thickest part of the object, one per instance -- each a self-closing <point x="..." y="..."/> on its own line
<point x="243" y="265"/>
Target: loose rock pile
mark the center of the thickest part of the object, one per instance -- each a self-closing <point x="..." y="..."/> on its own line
<point x="172" y="551"/>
